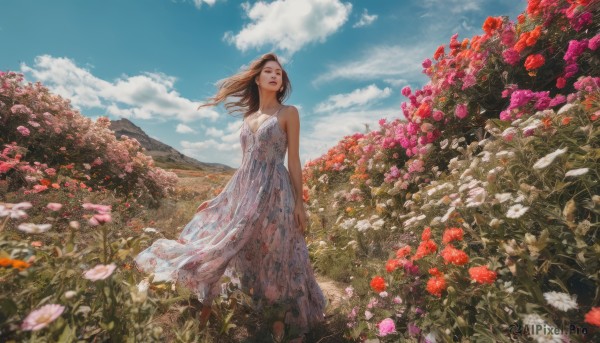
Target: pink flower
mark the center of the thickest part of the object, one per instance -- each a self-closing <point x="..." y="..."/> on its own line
<point x="41" y="317"/>
<point x="594" y="42"/>
<point x="54" y="206"/>
<point x="100" y="272"/>
<point x="100" y="218"/>
<point x="386" y="327"/>
<point x="23" y="130"/>
<point x="406" y="91"/>
<point x="426" y="63"/>
<point x="511" y="56"/>
<point x="461" y="111"/>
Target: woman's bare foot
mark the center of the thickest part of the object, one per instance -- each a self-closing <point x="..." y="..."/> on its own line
<point x="278" y="331"/>
<point x="204" y="315"/>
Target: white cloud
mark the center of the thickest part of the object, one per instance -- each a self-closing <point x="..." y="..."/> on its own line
<point x="149" y="95"/>
<point x="211" y="131"/>
<point x="223" y="146"/>
<point x="198" y="3"/>
<point x="358" y="97"/>
<point x="382" y="62"/>
<point x="289" y="25"/>
<point x="365" y="19"/>
<point x="453" y="6"/>
<point x="181" y="128"/>
<point x="396" y="82"/>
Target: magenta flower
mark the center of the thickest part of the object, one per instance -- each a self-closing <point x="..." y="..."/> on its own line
<point x="461" y="111"/>
<point x="594" y="42"/>
<point x="386" y="327"/>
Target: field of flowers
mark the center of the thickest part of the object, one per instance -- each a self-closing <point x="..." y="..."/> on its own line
<point x="477" y="218"/>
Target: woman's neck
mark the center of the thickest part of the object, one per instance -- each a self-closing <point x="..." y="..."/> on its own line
<point x="267" y="103"/>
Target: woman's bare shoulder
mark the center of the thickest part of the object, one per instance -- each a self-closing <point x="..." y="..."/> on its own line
<point x="289" y="110"/>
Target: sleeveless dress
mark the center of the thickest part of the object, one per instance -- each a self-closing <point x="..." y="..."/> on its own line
<point x="247" y="230"/>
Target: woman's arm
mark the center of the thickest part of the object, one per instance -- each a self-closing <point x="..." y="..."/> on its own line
<point x="294" y="168"/>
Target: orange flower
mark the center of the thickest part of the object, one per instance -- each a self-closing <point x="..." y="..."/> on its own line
<point x="492" y="24"/>
<point x="452" y="234"/>
<point x="45" y="182"/>
<point x="454" y="256"/>
<point x="482" y="274"/>
<point x="593" y="317"/>
<point x="305" y="195"/>
<point x="37" y="244"/>
<point x="20" y="265"/>
<point x="534" y="61"/>
<point x="378" y="284"/>
<point x="566" y="120"/>
<point x="403" y="252"/>
<point x="5" y="262"/>
<point x="436" y="285"/>
<point x="521" y="18"/>
<point x="391" y="265"/>
<point x="547" y="122"/>
<point x="426" y="235"/>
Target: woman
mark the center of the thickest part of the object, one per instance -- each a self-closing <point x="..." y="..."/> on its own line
<point x="254" y="227"/>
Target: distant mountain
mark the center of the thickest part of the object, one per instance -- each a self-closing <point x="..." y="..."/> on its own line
<point x="164" y="155"/>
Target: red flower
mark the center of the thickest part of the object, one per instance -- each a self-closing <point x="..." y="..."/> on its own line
<point x="439" y="52"/>
<point x="534" y="61"/>
<point x="434" y="272"/>
<point x="454" y="256"/>
<point x="391" y="265"/>
<point x="452" y="234"/>
<point x="561" y="82"/>
<point x="593" y="317"/>
<point x="436" y="285"/>
<point x="378" y="284"/>
<point x="425" y="248"/>
<point x="426" y="235"/>
<point x="492" y="24"/>
<point x="403" y="252"/>
<point x="482" y="274"/>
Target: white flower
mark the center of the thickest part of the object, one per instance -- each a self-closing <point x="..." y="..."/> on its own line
<point x="561" y="301"/>
<point x="378" y="224"/>
<point x="565" y="108"/>
<point x="368" y="314"/>
<point x="516" y="211"/>
<point x="397" y="300"/>
<point x="100" y="272"/>
<point x="548" y="159"/>
<point x="34" y="228"/>
<point x="70" y="294"/>
<point x="363" y="225"/>
<point x="383" y="294"/>
<point x="41" y="317"/>
<point x="502" y="197"/>
<point x="476" y="197"/>
<point x="150" y="230"/>
<point x="577" y="172"/>
<point x="324" y="178"/>
<point x="15" y="211"/>
<point x="348" y="223"/>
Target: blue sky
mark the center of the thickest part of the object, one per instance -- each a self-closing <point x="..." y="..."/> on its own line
<point x="154" y="61"/>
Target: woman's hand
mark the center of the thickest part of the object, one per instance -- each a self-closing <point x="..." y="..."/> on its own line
<point x="202" y="206"/>
<point x="300" y="216"/>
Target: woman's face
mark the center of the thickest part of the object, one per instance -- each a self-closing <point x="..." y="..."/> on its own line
<point x="271" y="76"/>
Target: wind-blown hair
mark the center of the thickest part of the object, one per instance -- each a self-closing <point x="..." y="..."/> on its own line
<point x="243" y="87"/>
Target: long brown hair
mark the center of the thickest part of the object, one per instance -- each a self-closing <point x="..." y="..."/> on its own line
<point x="243" y="86"/>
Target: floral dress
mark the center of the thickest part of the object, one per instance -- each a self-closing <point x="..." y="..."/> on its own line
<point x="247" y="230"/>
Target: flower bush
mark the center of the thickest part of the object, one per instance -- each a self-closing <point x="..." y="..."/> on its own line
<point x="495" y="169"/>
<point x="46" y="145"/>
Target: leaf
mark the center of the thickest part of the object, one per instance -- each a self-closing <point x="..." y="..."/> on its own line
<point x="67" y="335"/>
